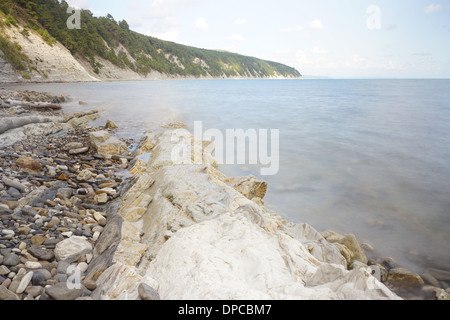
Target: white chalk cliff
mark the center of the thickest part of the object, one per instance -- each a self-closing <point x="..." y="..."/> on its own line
<point x="190" y="234"/>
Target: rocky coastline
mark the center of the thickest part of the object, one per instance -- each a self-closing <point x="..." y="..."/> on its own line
<point x="118" y="220"/>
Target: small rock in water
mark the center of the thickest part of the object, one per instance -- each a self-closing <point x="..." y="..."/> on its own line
<point x="111" y="125"/>
<point x="404" y="278"/>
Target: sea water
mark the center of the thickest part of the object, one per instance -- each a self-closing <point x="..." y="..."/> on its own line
<point x="368" y="157"/>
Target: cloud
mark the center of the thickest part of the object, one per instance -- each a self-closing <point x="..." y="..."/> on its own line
<point x="164" y="8"/>
<point x="78" y="4"/>
<point x="432" y="8"/>
<point x="162" y="15"/>
<point x="292" y="28"/>
<point x="316" y="24"/>
<point x="171" y="35"/>
<point x="165" y="29"/>
<point x="240" y="21"/>
<point x="236" y="37"/>
<point x="201" y="24"/>
<point x="317" y="50"/>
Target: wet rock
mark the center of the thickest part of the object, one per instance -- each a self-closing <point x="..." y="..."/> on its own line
<point x="111" y="125"/>
<point x="352" y="244"/>
<point x="389" y="263"/>
<point x="442" y="275"/>
<point x="404" y="278"/>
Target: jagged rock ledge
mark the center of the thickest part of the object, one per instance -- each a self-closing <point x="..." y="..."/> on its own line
<point x="189" y="232"/>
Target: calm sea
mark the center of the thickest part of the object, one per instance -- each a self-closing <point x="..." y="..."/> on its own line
<point x="368" y="157"/>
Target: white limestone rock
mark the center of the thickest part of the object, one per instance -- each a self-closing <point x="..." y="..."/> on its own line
<point x="72" y="248"/>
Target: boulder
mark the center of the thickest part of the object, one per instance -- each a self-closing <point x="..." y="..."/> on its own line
<point x="105" y="144"/>
<point x="405" y="278"/>
<point x="250" y="186"/>
<point x="111" y="125"/>
<point x="72" y="248"/>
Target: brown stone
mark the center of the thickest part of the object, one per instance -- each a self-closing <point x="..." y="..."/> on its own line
<point x="29" y="164"/>
<point x="251" y="187"/>
<point x="37" y="239"/>
<point x="63" y="177"/>
<point x="405" y="278"/>
<point x="11" y="204"/>
<point x="24" y="230"/>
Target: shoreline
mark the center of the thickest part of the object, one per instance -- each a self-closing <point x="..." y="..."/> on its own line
<point x="186" y="210"/>
<point x="132" y="80"/>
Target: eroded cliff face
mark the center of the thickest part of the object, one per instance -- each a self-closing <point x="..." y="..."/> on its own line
<point x="55" y="63"/>
<point x="190" y="232"/>
<point x="50" y="63"/>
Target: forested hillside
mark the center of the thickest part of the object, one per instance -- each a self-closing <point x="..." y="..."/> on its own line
<point x="105" y="39"/>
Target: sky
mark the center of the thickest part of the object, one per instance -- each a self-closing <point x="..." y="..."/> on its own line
<point x="336" y="39"/>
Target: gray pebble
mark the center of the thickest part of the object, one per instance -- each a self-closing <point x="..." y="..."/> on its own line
<point x="11" y="260"/>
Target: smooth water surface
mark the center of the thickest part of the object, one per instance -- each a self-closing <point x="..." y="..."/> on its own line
<point x="369" y="157"/>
